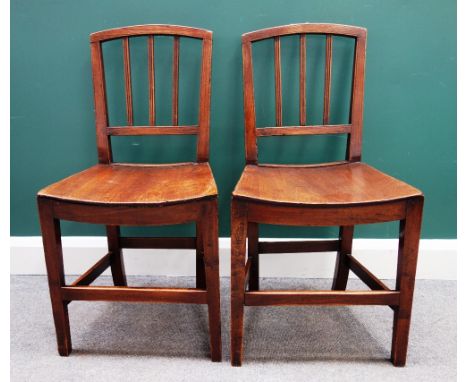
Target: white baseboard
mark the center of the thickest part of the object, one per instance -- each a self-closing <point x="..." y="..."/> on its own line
<point x="437" y="259"/>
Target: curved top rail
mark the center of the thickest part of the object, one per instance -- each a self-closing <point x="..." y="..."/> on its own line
<point x="312" y="28"/>
<point x="150" y="29"/>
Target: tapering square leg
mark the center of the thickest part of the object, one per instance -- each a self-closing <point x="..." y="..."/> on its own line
<point x="211" y="254"/>
<point x="410" y="229"/>
<point x="200" y="262"/>
<point x="340" y="279"/>
<point x="52" y="241"/>
<point x="116" y="258"/>
<point x="238" y="247"/>
<point x="252" y="233"/>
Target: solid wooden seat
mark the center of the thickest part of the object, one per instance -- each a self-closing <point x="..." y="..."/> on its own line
<point x="126" y="184"/>
<point x="122" y="194"/>
<point x="342" y="194"/>
<point x="334" y="184"/>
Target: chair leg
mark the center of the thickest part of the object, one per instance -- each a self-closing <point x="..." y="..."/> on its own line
<point x="211" y="252"/>
<point x="252" y="233"/>
<point x="238" y="239"/>
<point x="52" y="242"/>
<point x="116" y="259"/>
<point x="340" y="278"/>
<point x="410" y="230"/>
<point x="200" y="262"/>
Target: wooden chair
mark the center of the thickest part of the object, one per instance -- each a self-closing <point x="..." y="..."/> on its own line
<point x="118" y="194"/>
<point x="340" y="194"/>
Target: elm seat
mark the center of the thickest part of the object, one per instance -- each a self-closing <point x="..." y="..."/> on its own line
<point x="332" y="184"/>
<point x="125" y="184"/>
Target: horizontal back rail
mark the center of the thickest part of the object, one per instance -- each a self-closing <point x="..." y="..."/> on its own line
<point x="152" y="130"/>
<point x="150" y="29"/>
<point x="308" y="28"/>
<point x="303" y="130"/>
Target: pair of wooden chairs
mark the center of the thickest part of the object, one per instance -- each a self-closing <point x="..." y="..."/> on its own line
<point x="340" y="194"/>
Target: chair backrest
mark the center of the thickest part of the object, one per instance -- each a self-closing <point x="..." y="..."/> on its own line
<point x="104" y="131"/>
<point x="354" y="126"/>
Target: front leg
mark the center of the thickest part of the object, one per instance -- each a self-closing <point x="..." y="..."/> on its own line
<point x="51" y="238"/>
<point x="238" y="239"/>
<point x="410" y="229"/>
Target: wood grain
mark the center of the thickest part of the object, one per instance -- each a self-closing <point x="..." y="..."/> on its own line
<point x="134" y="184"/>
<point x="344" y="184"/>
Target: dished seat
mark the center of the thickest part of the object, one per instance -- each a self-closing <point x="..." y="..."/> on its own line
<point x="123" y="184"/>
<point x="333" y="184"/>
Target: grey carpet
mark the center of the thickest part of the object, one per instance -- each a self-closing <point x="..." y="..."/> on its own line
<point x="149" y="342"/>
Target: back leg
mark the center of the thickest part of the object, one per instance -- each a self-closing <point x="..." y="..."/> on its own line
<point x="200" y="259"/>
<point x="252" y="233"/>
<point x="340" y="278"/>
<point x="116" y="258"/>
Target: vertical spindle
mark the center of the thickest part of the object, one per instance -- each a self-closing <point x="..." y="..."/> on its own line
<point x="128" y="81"/>
<point x="278" y="91"/>
<point x="327" y="84"/>
<point x="175" y="82"/>
<point x="151" y="87"/>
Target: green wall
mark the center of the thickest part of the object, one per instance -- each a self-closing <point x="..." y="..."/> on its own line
<point x="409" y="123"/>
